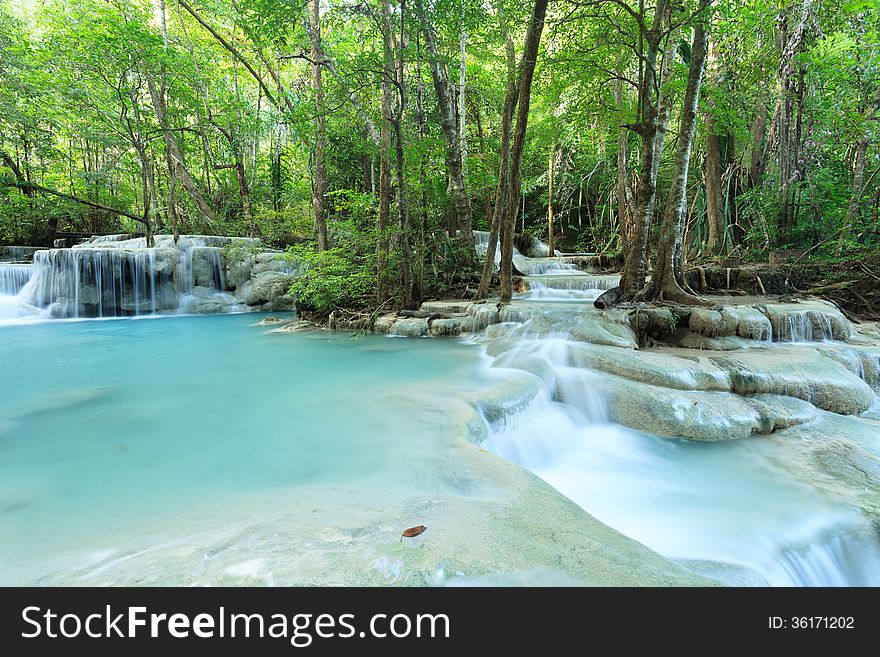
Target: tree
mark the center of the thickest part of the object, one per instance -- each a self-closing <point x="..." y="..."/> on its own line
<point x="667" y="282"/>
<point x="320" y="184"/>
<point x="454" y="162"/>
<point x="524" y="86"/>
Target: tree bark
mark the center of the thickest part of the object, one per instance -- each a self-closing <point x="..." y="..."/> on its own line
<point x="320" y="184"/>
<point x="384" y="218"/>
<point x="864" y="142"/>
<point x="758" y="162"/>
<point x="712" y="170"/>
<point x="667" y="282"/>
<point x="791" y="40"/>
<point x="457" y="189"/>
<point x="411" y="291"/>
<point x="527" y="71"/>
<point x="654" y="114"/>
<point x="550" y="200"/>
<point x="624" y="197"/>
<point x="510" y="102"/>
<point x="462" y="99"/>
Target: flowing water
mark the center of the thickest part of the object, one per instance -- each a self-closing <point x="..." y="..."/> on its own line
<point x="730" y="509"/>
<point x="109" y="428"/>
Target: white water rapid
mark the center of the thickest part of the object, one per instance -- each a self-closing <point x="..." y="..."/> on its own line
<point x="728" y="509"/>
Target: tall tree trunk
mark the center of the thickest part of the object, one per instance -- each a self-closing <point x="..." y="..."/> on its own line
<point x="760" y="145"/>
<point x="855" y="201"/>
<point x="457" y="189"/>
<point x="384" y="170"/>
<point x="667" y="281"/>
<point x="510" y="101"/>
<point x="320" y="184"/>
<point x="176" y="167"/>
<point x="624" y="197"/>
<point x="462" y="98"/>
<point x="411" y="292"/>
<point x="791" y="40"/>
<point x="423" y="174"/>
<point x="527" y="71"/>
<point x="654" y="114"/>
<point x="550" y="200"/>
<point x="712" y="169"/>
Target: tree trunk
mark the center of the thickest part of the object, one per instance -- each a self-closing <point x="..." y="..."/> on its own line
<point x="712" y="171"/>
<point x="854" y="208"/>
<point x="791" y="40"/>
<point x="654" y="113"/>
<point x="320" y="184"/>
<point x="455" y="168"/>
<point x="510" y="101"/>
<point x="760" y="145"/>
<point x="411" y="292"/>
<point x="624" y="198"/>
<point x="384" y="171"/>
<point x="527" y="71"/>
<point x="462" y="99"/>
<point x="176" y="167"/>
<point x="550" y="200"/>
<point x="667" y="282"/>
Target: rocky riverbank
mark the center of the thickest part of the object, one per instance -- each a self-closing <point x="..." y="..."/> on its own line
<point x="791" y="369"/>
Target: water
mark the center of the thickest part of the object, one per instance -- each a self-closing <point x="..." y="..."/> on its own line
<point x="13" y="278"/>
<point x="727" y="503"/>
<point x="88" y="282"/>
<point x="804" y="326"/>
<point x="110" y="428"/>
<point x="114" y="276"/>
<point x="729" y="510"/>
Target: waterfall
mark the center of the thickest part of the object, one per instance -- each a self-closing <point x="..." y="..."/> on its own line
<point x="13" y="278"/>
<point x="546" y="266"/>
<point x="804" y="326"/>
<point x="837" y="558"/>
<point x="88" y="282"/>
<point x="184" y="269"/>
<point x="17" y="254"/>
<point x="572" y="281"/>
<point x="729" y="510"/>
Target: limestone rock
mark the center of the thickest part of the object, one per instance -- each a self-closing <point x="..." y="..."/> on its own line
<point x="450" y="326"/>
<point x="697" y="415"/>
<point x="384" y="323"/>
<point x="239" y="268"/>
<point x="410" y="327"/>
<point x="710" y="323"/>
<point x="268" y="287"/>
<point x="780" y="412"/>
<point x="747" y="322"/>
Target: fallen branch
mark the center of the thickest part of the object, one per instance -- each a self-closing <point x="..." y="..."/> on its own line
<point x="29" y="186"/>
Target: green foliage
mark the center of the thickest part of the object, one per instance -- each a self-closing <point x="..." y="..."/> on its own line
<point x="341" y="277"/>
<point x="77" y="115"/>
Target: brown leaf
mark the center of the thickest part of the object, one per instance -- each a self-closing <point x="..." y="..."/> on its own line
<point x="412" y="532"/>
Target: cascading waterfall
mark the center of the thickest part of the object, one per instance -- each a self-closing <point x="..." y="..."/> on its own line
<point x="13" y="278"/>
<point x="727" y="510"/>
<point x="839" y="557"/>
<point x="86" y="282"/>
<point x="119" y="276"/>
<point x="804" y="326"/>
<point x="185" y="267"/>
<point x="537" y="267"/>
